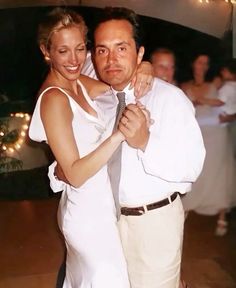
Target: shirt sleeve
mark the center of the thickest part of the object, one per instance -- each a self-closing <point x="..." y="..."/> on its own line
<point x="55" y="184"/>
<point x="175" y="151"/>
<point x="88" y="67"/>
<point x="222" y="94"/>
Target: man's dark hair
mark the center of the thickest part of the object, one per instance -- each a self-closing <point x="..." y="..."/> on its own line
<point x="121" y="13"/>
<point x="230" y="64"/>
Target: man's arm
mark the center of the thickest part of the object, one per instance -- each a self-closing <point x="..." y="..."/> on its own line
<point x="174" y="150"/>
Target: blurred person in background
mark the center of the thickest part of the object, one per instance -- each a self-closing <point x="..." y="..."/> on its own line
<point x="163" y="63"/>
<point x="213" y="192"/>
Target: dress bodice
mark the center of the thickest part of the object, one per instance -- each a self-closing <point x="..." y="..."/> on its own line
<point x="89" y="131"/>
<point x="207" y="115"/>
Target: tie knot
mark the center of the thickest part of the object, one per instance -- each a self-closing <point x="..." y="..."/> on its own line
<point x="121" y="97"/>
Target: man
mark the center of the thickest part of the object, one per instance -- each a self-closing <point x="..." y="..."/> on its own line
<point x="163" y="62"/>
<point x="227" y="94"/>
<point x="157" y="161"/>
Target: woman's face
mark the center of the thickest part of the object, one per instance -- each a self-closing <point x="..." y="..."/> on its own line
<point x="201" y="64"/>
<point x="67" y="52"/>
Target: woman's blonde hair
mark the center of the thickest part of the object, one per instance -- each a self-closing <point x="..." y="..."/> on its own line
<point x="56" y="20"/>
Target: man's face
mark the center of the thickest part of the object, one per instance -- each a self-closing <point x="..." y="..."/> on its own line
<point x="226" y="74"/>
<point x="164" y="66"/>
<point x="116" y="56"/>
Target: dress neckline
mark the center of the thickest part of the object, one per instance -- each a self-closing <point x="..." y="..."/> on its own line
<point x="90" y="102"/>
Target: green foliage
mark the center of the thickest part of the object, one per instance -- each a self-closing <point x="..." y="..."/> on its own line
<point x="7" y="139"/>
<point x="9" y="163"/>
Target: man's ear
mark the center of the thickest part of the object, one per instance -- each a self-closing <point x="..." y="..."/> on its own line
<point x="140" y="55"/>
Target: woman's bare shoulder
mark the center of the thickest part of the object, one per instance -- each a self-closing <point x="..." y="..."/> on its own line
<point x="186" y="85"/>
<point x="53" y="97"/>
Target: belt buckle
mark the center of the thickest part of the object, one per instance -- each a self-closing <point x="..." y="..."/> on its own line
<point x="145" y="209"/>
<point x="141" y="211"/>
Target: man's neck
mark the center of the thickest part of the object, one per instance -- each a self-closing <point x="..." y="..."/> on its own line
<point x="120" y="88"/>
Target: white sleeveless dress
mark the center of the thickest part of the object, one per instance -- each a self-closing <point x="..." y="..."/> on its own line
<point x="215" y="188"/>
<point x="86" y="215"/>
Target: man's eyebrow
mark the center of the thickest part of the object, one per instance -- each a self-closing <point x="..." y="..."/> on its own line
<point x="122" y="43"/>
<point x="117" y="44"/>
<point x="100" y="46"/>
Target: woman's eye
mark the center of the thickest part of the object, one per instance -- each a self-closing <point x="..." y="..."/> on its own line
<point x="62" y="51"/>
<point x="81" y="49"/>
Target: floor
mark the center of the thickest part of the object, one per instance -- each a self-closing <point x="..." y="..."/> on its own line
<point x="32" y="248"/>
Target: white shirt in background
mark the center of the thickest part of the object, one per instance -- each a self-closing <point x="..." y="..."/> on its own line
<point x="227" y="94"/>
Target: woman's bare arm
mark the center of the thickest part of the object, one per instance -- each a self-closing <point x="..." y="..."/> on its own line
<point x="57" y="118"/>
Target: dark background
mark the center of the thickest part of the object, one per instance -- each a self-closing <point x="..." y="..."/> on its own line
<point x="22" y="68"/>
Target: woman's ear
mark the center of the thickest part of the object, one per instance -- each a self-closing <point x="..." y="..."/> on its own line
<point x="140" y="55"/>
<point x="45" y="53"/>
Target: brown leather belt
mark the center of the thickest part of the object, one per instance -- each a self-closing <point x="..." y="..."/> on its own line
<point x="138" y="211"/>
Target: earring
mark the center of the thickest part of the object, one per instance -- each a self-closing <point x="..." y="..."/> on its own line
<point x="47" y="59"/>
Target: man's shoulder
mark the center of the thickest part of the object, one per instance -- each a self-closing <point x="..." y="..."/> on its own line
<point x="230" y="84"/>
<point x="228" y="87"/>
<point x="169" y="93"/>
<point x="164" y="86"/>
<point x="167" y="90"/>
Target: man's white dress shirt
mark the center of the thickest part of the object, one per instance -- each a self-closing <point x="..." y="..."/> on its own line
<point x="175" y="152"/>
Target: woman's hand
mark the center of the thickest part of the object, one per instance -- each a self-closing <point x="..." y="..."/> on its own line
<point x="143" y="79"/>
<point x="226" y="118"/>
<point x="118" y="136"/>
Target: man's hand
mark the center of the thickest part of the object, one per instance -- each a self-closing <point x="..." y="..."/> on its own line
<point x="59" y="174"/>
<point x="143" y="79"/>
<point x="135" y="126"/>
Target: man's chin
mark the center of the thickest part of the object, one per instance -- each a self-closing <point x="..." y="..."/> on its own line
<point x="113" y="81"/>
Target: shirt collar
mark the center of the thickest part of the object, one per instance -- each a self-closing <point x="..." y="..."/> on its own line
<point x="129" y="94"/>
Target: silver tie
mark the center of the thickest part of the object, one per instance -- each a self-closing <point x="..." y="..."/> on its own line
<point x="120" y="108"/>
<point x="114" y="164"/>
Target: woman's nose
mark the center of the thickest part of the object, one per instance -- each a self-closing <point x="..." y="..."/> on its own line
<point x="73" y="58"/>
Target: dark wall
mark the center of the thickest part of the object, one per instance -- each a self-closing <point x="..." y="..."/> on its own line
<point x="21" y="65"/>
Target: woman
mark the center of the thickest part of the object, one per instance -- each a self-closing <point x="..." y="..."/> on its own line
<point x="213" y="191"/>
<point x="77" y="131"/>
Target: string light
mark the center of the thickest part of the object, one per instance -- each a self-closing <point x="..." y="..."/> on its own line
<point x="12" y="147"/>
<point x="208" y="1"/>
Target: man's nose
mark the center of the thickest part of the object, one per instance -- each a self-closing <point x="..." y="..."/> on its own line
<point x="111" y="57"/>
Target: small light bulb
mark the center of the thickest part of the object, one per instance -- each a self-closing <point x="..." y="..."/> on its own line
<point x="25" y="126"/>
<point x="11" y="150"/>
<point x="17" y="146"/>
<point x="20" y="141"/>
<point x="27" y="117"/>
